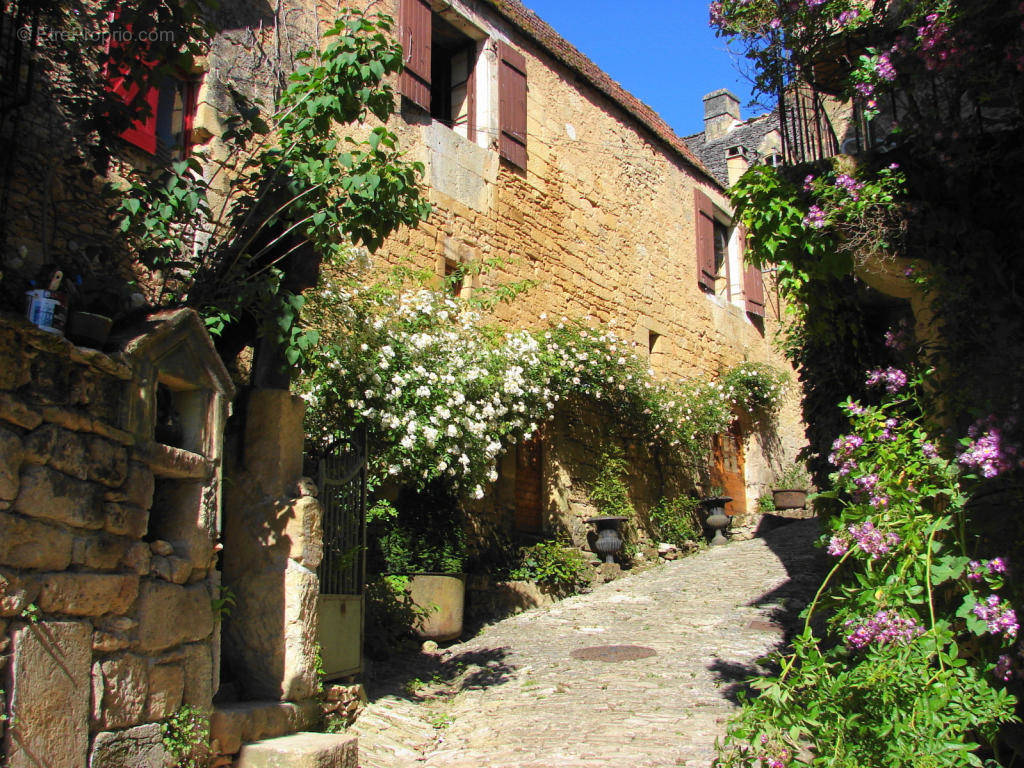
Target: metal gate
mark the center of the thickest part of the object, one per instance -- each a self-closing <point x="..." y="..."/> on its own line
<point x="342" y="481"/>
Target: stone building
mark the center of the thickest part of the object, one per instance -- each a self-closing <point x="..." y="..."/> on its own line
<point x="116" y="531"/>
<point x="534" y="154"/>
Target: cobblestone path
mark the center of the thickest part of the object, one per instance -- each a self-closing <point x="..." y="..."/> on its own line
<point x="516" y="697"/>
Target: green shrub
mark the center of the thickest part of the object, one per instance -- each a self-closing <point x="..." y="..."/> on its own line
<point x="677" y="520"/>
<point x="757" y="387"/>
<point x="390" y="616"/>
<point x="765" y="503"/>
<point x="553" y="564"/>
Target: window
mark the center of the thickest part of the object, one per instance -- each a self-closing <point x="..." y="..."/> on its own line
<point x="774" y="160"/>
<point x="720" y="270"/>
<point x="454" y="279"/>
<point x="165" y="129"/>
<point x="446" y="76"/>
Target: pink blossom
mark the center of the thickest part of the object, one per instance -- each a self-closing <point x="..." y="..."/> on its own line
<point x="884" y="628"/>
<point x="999" y="616"/>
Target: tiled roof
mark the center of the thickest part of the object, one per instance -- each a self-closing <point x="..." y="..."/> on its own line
<point x="748" y="134"/>
<point x="544" y="35"/>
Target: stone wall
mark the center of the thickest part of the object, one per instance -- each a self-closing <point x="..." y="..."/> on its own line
<point x="105" y="629"/>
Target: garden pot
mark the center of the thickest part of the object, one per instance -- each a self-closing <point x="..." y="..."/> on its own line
<point x="789" y="498"/>
<point x="443" y="596"/>
<point x="88" y="329"/>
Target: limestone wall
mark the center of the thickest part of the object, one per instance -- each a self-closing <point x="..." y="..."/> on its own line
<point x="105" y="628"/>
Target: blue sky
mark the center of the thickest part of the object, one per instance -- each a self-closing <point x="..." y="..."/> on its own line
<point x="662" y="51"/>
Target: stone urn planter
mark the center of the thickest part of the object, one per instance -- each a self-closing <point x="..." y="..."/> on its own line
<point x="442" y="596"/>
<point x="609" y="540"/>
<point x="717" y="520"/>
<point x="789" y="498"/>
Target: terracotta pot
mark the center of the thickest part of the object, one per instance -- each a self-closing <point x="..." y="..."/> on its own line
<point x="789" y="498"/>
<point x="443" y="596"/>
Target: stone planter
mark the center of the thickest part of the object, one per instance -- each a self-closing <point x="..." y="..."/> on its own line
<point x="443" y="596"/>
<point x="717" y="520"/>
<point x="789" y="498"/>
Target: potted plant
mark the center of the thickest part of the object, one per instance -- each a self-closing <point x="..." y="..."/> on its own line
<point x="717" y="520"/>
<point x="790" y="489"/>
<point x="420" y="537"/>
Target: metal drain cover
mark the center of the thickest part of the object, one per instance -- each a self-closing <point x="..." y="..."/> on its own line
<point x="613" y="653"/>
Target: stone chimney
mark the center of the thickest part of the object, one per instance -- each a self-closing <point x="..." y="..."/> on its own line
<point x="720" y="108"/>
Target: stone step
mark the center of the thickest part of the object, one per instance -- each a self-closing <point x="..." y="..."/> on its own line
<point x="234" y="724"/>
<point x="301" y="750"/>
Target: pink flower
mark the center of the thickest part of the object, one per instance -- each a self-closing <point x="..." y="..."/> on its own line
<point x="884" y="628"/>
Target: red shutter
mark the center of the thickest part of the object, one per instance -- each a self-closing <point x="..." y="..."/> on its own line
<point x="753" y="281"/>
<point x="415" y="29"/>
<point x="512" y="104"/>
<point x="142" y="132"/>
<point x="704" y="222"/>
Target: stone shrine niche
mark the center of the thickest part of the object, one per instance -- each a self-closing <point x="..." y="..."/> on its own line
<point x="177" y="417"/>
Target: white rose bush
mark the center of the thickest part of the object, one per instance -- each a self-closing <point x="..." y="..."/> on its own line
<point x="443" y="393"/>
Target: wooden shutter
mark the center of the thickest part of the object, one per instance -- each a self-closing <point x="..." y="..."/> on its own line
<point x="529" y="486"/>
<point x="705" y="229"/>
<point x="512" y="104"/>
<point x="753" y="281"/>
<point x="415" y="29"/>
<point x="142" y="131"/>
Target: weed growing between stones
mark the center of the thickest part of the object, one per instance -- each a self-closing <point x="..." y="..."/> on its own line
<point x="186" y="737"/>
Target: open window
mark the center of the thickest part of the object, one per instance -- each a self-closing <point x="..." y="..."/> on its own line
<point x="446" y="76"/>
<point x="720" y="268"/>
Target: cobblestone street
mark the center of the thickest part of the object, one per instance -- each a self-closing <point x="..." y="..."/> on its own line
<point x="516" y="696"/>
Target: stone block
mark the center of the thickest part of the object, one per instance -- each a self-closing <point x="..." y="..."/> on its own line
<point x="137" y="489"/>
<point x="166" y="684"/>
<point x="88" y="594"/>
<point x="273" y="440"/>
<point x="49" y="376"/>
<point x="138" y="558"/>
<point x="14" y="411"/>
<point x="198" y="688"/>
<point x="138" y="747"/>
<point x="32" y="544"/>
<point x="16" y="592"/>
<point x="50" y="495"/>
<point x="11" y="453"/>
<point x="83" y="456"/>
<point x="170" y="615"/>
<point x="100" y="552"/>
<point x="126" y="519"/>
<point x="301" y="625"/>
<point x="15" y="371"/>
<point x="104" y="641"/>
<point x="301" y="750"/>
<point x="121" y="691"/>
<point x="235" y="724"/>
<point x="49" y="695"/>
<point x="305" y="531"/>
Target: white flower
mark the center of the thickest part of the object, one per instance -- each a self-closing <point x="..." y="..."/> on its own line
<point x="478" y="492"/>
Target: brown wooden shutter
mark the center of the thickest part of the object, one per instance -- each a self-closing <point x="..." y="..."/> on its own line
<point x="705" y="230"/>
<point x="512" y="104"/>
<point x="753" y="281"/>
<point x="414" y="27"/>
<point x="529" y="486"/>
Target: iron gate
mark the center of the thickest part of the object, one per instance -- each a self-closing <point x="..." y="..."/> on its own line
<point x="342" y="480"/>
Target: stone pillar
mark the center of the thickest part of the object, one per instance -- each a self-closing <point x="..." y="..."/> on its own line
<point x="273" y="541"/>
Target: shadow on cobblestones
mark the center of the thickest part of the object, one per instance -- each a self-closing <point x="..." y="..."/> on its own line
<point x="793" y="542"/>
<point x="418" y="676"/>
